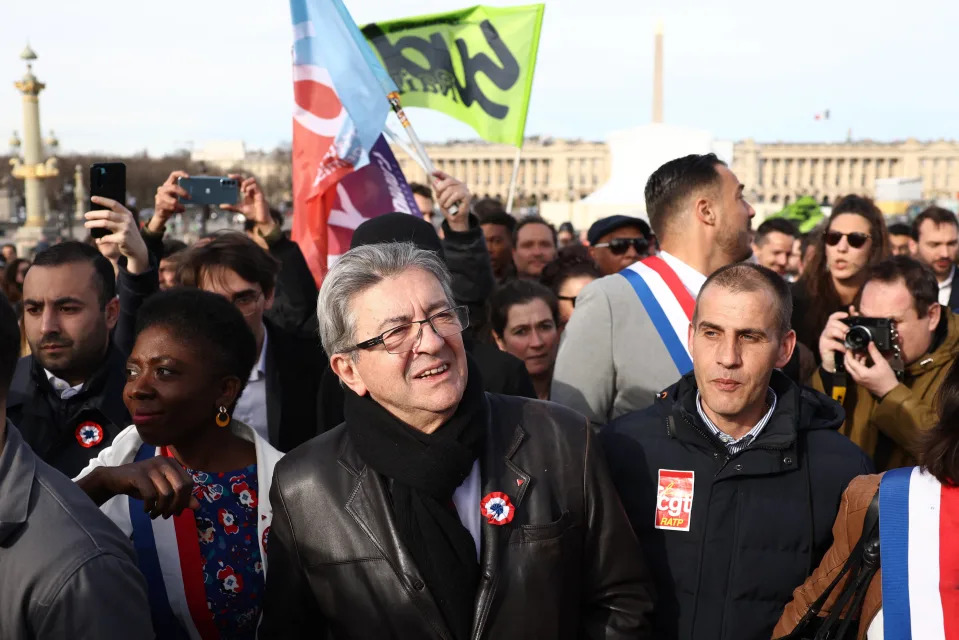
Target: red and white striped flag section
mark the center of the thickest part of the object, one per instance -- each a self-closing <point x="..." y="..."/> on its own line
<point x="340" y="91"/>
<point x="918" y="534"/>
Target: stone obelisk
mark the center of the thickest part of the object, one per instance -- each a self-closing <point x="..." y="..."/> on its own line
<point x="33" y="169"/>
<point x="658" y="75"/>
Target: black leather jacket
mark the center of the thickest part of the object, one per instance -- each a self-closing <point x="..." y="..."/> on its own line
<point x="567" y="566"/>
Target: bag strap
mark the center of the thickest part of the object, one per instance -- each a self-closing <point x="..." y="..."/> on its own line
<point x="862" y="564"/>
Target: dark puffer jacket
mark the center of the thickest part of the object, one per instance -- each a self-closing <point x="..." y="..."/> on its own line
<point x="760" y="520"/>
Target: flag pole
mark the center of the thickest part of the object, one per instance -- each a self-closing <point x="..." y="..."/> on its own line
<point x="512" y="180"/>
<point x="398" y="141"/>
<point x="425" y="162"/>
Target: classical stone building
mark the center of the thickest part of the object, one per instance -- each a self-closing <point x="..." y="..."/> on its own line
<point x="776" y="173"/>
<point x="565" y="171"/>
<point x="550" y="170"/>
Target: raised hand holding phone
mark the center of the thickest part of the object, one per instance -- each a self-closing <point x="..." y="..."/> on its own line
<point x="107" y="180"/>
<point x="116" y="230"/>
<point x="252" y="205"/>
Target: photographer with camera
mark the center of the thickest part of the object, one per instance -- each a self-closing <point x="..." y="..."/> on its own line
<point x="892" y="356"/>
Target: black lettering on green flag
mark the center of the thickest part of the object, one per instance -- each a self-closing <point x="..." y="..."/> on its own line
<point x="475" y="64"/>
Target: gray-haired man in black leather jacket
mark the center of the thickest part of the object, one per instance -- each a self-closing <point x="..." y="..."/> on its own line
<point x="438" y="510"/>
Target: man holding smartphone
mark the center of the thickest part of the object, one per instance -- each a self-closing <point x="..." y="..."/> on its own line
<point x="294" y="308"/>
<point x="79" y="316"/>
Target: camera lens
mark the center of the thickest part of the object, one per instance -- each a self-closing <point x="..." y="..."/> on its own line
<point x="858" y="338"/>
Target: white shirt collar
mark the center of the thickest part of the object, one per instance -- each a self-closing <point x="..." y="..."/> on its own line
<point x="753" y="433"/>
<point x="62" y="387"/>
<point x="691" y="279"/>
<point x="948" y="281"/>
<point x="260" y="369"/>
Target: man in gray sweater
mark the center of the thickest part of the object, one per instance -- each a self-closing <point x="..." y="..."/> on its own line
<point x="627" y="339"/>
<point x="68" y="572"/>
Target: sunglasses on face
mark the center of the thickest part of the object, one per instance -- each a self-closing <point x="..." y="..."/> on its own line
<point x="855" y="239"/>
<point x="619" y="246"/>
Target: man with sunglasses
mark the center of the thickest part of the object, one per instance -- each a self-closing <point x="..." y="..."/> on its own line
<point x="617" y="242"/>
<point x="437" y="510"/>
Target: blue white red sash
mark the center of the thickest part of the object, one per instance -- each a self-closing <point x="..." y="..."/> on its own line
<point x="919" y="538"/>
<point x="169" y="557"/>
<point x="668" y="304"/>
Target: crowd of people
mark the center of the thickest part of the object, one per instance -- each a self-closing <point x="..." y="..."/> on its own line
<point x="481" y="426"/>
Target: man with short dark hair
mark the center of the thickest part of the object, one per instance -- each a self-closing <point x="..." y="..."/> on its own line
<point x="615" y="242"/>
<point x="168" y="259"/>
<point x="9" y="253"/>
<point x="423" y="196"/>
<point x="67" y="396"/>
<point x="900" y="239"/>
<point x="733" y="477"/>
<point x="936" y="235"/>
<point x="498" y="227"/>
<point x="889" y="395"/>
<point x="773" y="244"/>
<point x="67" y="570"/>
<point x="280" y="399"/>
<point x="626" y="340"/>
<point x="534" y="246"/>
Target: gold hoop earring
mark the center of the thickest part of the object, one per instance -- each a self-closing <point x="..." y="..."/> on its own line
<point x="223" y="417"/>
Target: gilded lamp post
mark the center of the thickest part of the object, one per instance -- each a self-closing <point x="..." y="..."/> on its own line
<point x="32" y="168"/>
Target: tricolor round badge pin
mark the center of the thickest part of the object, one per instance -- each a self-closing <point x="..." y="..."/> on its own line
<point x="89" y="434"/>
<point x="497" y="509"/>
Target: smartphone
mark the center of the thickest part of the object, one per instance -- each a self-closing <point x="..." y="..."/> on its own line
<point x="108" y="180"/>
<point x="211" y="190"/>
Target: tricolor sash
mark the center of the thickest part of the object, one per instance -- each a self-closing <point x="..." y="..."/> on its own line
<point x="918" y="535"/>
<point x="168" y="554"/>
<point x="668" y="304"/>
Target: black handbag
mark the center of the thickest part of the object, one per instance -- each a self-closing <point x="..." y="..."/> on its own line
<point x="861" y="566"/>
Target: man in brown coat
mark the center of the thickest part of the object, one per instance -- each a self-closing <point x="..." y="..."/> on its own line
<point x="885" y="415"/>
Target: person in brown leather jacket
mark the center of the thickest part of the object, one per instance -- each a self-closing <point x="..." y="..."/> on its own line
<point x="939" y="458"/>
<point x="886" y="416"/>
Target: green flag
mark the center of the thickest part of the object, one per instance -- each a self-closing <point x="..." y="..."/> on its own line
<point x="475" y="64"/>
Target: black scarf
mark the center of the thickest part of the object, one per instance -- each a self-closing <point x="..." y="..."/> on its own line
<point x="425" y="470"/>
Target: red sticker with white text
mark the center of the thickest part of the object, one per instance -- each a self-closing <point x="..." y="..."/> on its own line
<point x="674" y="499"/>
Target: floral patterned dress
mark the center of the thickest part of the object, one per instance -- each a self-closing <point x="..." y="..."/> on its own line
<point x="232" y="567"/>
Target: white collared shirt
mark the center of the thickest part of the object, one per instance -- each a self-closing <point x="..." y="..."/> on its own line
<point x="945" y="288"/>
<point x="62" y="387"/>
<point x="466" y="498"/>
<point x="691" y="279"/>
<point x="251" y="407"/>
<point x="735" y="445"/>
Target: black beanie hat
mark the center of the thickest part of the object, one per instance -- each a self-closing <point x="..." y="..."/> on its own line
<point x="398" y="227"/>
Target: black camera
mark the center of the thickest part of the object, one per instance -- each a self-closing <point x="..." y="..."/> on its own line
<point x="862" y="331"/>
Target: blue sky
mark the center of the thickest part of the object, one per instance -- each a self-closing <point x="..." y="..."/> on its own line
<point x="126" y="76"/>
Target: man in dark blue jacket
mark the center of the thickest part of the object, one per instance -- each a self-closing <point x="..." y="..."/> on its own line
<point x="733" y="477"/>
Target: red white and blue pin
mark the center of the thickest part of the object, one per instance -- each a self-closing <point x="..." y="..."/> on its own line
<point x="497" y="509"/>
<point x="89" y="434"/>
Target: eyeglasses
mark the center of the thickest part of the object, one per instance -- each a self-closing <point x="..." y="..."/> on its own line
<point x="855" y="239"/>
<point x="246" y="302"/>
<point x="619" y="246"/>
<point x="406" y="336"/>
<point x="570" y="299"/>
